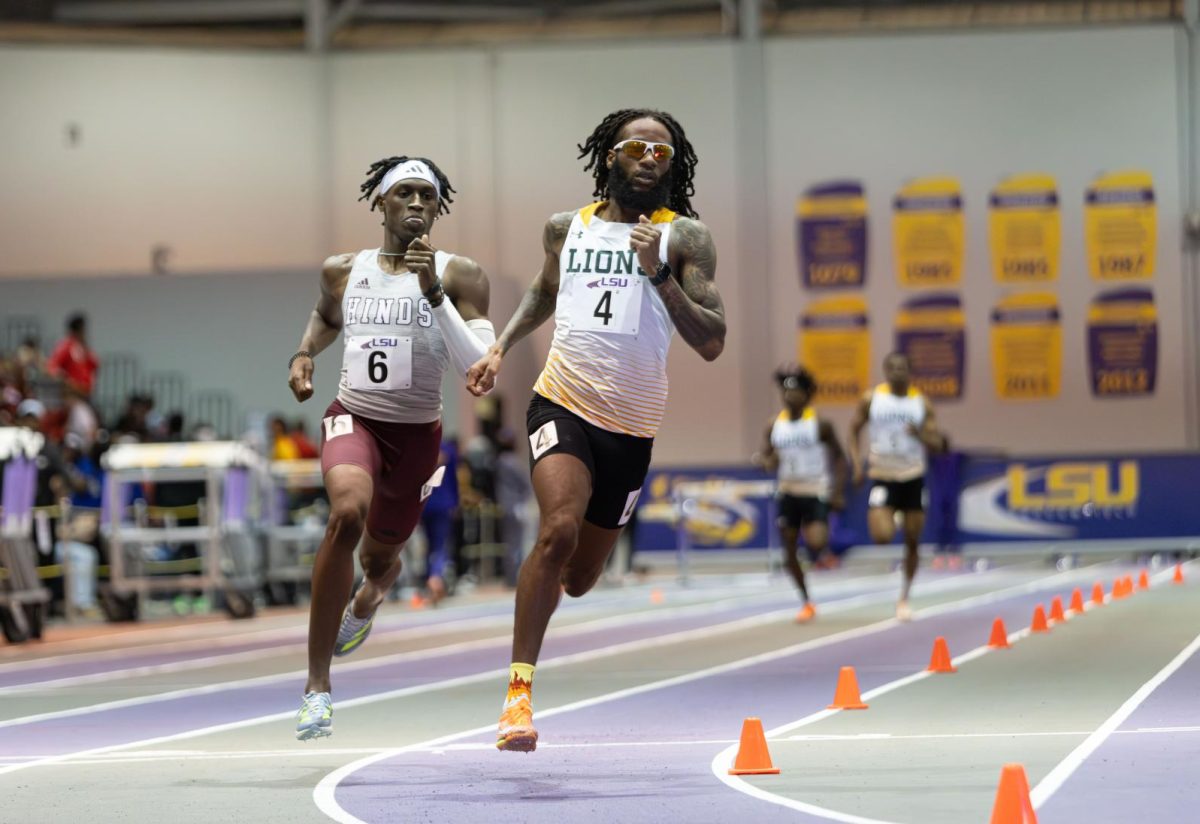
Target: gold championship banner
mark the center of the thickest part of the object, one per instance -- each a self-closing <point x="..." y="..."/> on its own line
<point x="831" y="235"/>
<point x="1123" y="343"/>
<point x="928" y="232"/>
<point x="835" y="344"/>
<point x="930" y="330"/>
<point x="1025" y="229"/>
<point x="1027" y="347"/>
<point x="1120" y="224"/>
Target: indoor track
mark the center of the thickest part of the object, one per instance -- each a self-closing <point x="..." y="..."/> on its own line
<point x="640" y="697"/>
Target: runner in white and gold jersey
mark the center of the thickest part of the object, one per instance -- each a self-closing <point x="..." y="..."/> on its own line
<point x="620" y="276"/>
<point x="902" y="431"/>
<point x="804" y="450"/>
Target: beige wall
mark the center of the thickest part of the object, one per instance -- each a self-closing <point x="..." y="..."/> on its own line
<point x="211" y="155"/>
<point x="240" y="162"/>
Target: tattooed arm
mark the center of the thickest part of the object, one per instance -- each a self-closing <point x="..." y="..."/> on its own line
<point x="690" y="295"/>
<point x="536" y="306"/>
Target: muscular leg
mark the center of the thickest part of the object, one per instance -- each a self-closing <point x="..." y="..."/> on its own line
<point x="586" y="566"/>
<point x="562" y="485"/>
<point x="881" y="523"/>
<point x="816" y="539"/>
<point x="914" y="523"/>
<point x="790" y="536"/>
<point x="381" y="565"/>
<point x="350" y="490"/>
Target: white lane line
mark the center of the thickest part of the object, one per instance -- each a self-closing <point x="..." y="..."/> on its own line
<point x="324" y="795"/>
<point x="394" y="626"/>
<point x="1057" y="776"/>
<point x="602" y="652"/>
<point x="432" y="652"/>
<point x="216" y="633"/>
<point x="724" y="760"/>
<point x="421" y="632"/>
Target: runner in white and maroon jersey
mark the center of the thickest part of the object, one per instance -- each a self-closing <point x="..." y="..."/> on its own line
<point x="407" y="311"/>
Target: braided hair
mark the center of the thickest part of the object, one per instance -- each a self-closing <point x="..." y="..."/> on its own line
<point x="380" y="168"/>
<point x="604" y="137"/>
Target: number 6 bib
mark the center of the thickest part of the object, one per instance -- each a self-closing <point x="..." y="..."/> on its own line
<point x="610" y="304"/>
<point x="378" y="364"/>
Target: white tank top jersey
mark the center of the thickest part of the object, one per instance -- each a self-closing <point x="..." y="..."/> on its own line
<point x="895" y="453"/>
<point x="608" y="359"/>
<point x="803" y="457"/>
<point x="394" y="356"/>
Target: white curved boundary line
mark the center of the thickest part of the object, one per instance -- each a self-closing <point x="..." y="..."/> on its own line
<point x="723" y="761"/>
<point x="587" y="655"/>
<point x="325" y="791"/>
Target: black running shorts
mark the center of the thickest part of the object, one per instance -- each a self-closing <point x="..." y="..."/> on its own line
<point x="618" y="463"/>
<point x="902" y="496"/>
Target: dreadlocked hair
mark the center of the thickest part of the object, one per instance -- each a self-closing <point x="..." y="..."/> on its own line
<point x="684" y="162"/>
<point x="795" y="376"/>
<point x="380" y="168"/>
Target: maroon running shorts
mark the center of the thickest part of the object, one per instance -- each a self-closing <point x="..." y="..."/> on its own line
<point x="399" y="457"/>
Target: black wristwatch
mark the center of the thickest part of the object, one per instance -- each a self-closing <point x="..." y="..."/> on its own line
<point x="661" y="274"/>
<point x="435" y="294"/>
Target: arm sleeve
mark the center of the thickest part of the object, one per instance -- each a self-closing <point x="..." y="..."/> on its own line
<point x="467" y="341"/>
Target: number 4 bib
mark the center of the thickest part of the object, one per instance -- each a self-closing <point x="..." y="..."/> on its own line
<point x="607" y="304"/>
<point x="379" y="364"/>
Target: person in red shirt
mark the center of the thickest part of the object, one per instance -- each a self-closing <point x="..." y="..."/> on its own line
<point x="72" y="359"/>
<point x="299" y="437"/>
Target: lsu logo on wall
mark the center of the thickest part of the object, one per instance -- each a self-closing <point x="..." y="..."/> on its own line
<point x="1046" y="500"/>
<point x="1086" y="486"/>
<point x="719" y="521"/>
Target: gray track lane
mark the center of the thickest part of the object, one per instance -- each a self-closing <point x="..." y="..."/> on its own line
<point x="1069" y="681"/>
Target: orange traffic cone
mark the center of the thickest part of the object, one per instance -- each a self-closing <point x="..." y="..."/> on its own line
<point x="939" y="661"/>
<point x="1077" y="601"/>
<point x="1118" y="589"/>
<point x="1178" y="577"/>
<point x="1098" y="594"/>
<point x="1143" y="580"/>
<point x="752" y="755"/>
<point x="1056" y="610"/>
<point x="1039" y="620"/>
<point x="417" y="601"/>
<point x="999" y="639"/>
<point x="1127" y="584"/>
<point x="846" y="696"/>
<point x="1012" y="798"/>
<point x="656" y="596"/>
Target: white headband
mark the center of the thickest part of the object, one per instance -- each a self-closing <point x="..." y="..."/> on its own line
<point x="408" y="170"/>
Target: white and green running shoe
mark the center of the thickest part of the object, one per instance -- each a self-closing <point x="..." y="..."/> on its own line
<point x="352" y="632"/>
<point x="315" y="719"/>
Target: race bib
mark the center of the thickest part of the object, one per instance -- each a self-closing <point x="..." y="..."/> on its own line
<point x="609" y="303"/>
<point x="378" y="364"/>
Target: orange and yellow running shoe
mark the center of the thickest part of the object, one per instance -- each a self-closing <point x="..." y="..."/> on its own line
<point x="516" y="732"/>
<point x="807" y="614"/>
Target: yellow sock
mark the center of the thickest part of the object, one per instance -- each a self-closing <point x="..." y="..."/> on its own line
<point x="520" y="676"/>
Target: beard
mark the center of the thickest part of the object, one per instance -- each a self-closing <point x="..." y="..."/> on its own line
<point x="621" y="189"/>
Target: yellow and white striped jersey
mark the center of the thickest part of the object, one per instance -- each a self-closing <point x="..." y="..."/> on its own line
<point x="608" y="359"/>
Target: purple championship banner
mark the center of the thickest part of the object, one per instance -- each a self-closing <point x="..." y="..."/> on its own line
<point x="831" y="235"/>
<point x="1123" y="343"/>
